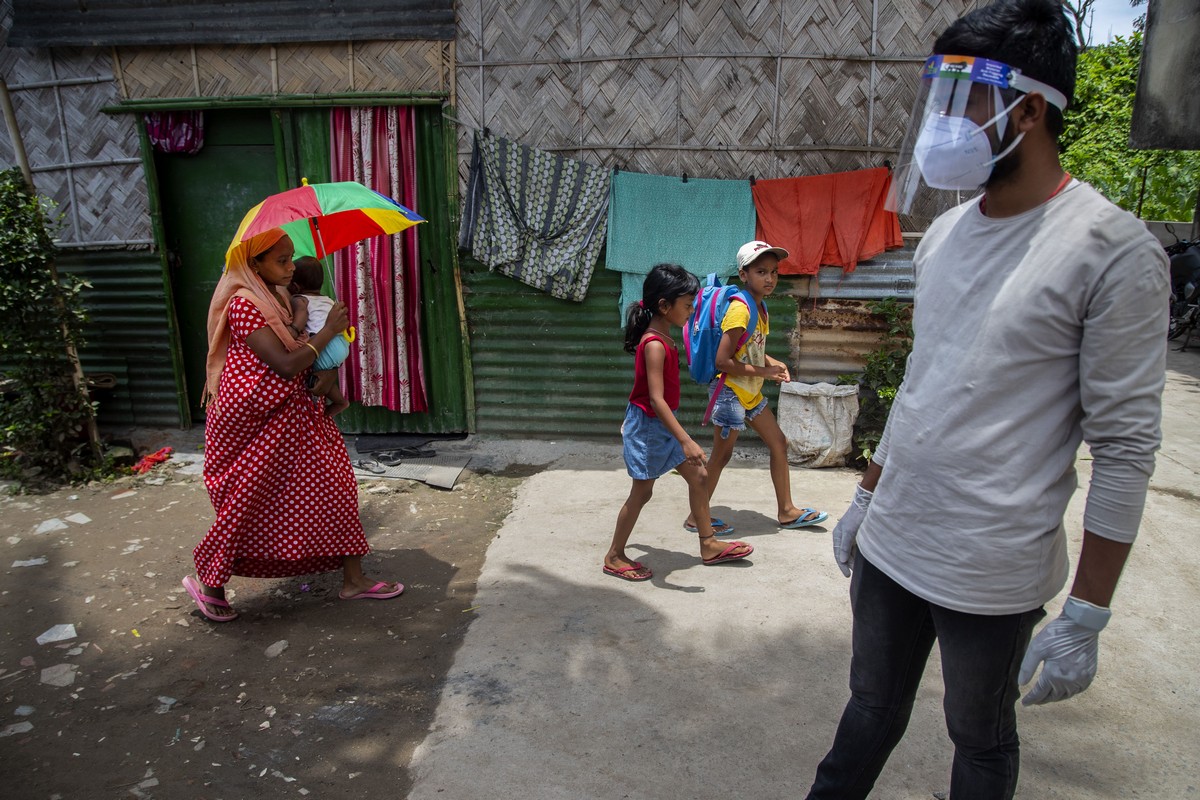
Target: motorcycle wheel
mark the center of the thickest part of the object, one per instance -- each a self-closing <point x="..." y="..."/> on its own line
<point x="1183" y="323"/>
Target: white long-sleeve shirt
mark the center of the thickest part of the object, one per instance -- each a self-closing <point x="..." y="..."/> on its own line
<point x="1031" y="333"/>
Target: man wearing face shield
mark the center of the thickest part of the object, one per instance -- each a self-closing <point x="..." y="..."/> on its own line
<point x="1039" y="323"/>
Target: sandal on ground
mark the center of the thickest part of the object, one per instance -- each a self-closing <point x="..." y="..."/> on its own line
<point x="728" y="555"/>
<point x="726" y="528"/>
<point x="393" y="457"/>
<point x="370" y="465"/>
<point x="376" y="592"/>
<point x="803" y="521"/>
<point x="203" y="601"/>
<point x="620" y="572"/>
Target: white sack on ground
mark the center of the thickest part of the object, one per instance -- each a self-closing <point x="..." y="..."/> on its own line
<point x="818" y="421"/>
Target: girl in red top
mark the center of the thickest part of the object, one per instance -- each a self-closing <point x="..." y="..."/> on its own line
<point x="655" y="442"/>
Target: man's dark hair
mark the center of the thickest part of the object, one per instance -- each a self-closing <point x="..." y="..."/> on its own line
<point x="1032" y="35"/>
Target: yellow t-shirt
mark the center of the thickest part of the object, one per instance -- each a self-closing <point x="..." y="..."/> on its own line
<point x="754" y="351"/>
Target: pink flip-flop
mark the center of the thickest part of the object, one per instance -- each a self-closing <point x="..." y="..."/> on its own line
<point x="728" y="555"/>
<point x="374" y="593"/>
<point x="203" y="601"/>
<point x="619" y="572"/>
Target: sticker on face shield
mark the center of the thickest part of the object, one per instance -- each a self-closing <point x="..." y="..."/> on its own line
<point x="977" y="70"/>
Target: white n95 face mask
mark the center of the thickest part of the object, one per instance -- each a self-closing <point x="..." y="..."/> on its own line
<point x="944" y="153"/>
<point x="953" y="152"/>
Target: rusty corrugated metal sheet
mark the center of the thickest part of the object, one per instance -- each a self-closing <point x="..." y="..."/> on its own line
<point x="69" y="23"/>
<point x="890" y="275"/>
<point x="832" y="338"/>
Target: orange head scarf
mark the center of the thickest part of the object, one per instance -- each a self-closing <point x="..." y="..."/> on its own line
<point x="240" y="280"/>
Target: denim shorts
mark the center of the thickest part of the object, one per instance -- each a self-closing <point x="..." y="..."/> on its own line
<point x="650" y="449"/>
<point x="728" y="413"/>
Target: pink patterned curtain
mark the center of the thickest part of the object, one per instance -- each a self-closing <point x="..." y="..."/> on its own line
<point x="380" y="278"/>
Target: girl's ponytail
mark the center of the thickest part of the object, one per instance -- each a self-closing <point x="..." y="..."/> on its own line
<point x="665" y="283"/>
<point x="637" y="319"/>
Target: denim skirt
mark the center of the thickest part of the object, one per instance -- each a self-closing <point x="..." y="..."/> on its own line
<point x="650" y="449"/>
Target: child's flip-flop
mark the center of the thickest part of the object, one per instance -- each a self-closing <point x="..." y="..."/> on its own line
<point x="802" y="521"/>
<point x="728" y="555"/>
<point x="375" y="592"/>
<point x="203" y="601"/>
<point x="619" y="572"/>
<point x="726" y="529"/>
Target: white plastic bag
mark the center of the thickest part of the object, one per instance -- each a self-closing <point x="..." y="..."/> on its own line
<point x="818" y="421"/>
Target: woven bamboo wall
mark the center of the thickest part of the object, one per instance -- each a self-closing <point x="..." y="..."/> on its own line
<point x="89" y="163"/>
<point x="295" y="69"/>
<point x="86" y="161"/>
<point x="713" y="88"/>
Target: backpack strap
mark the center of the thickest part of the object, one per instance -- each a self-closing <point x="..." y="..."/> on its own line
<point x="743" y="297"/>
<point x="712" y="401"/>
<point x="753" y="306"/>
<point x="753" y="323"/>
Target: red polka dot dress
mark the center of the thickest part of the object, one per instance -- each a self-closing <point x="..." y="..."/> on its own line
<point x="276" y="470"/>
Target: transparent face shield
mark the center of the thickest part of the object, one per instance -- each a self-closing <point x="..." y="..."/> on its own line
<point x="956" y="133"/>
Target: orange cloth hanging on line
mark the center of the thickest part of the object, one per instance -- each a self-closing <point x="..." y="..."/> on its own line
<point x="836" y="219"/>
<point x="883" y="233"/>
<point x="795" y="214"/>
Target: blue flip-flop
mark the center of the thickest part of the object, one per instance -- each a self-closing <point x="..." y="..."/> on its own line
<point x="716" y="523"/>
<point x="801" y="522"/>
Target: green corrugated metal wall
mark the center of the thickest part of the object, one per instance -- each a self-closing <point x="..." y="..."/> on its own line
<point x="128" y="335"/>
<point x="549" y="368"/>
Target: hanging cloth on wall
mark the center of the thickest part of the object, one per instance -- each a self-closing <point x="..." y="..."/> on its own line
<point x="535" y="216"/>
<point x="698" y="223"/>
<point x="179" y="132"/>
<point x="380" y="279"/>
<point x="837" y="219"/>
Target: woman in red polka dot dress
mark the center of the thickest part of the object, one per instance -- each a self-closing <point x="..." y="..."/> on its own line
<point x="275" y="464"/>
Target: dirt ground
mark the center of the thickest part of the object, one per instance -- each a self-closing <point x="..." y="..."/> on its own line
<point x="164" y="704"/>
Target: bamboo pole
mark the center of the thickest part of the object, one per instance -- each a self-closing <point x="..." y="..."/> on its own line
<point x="14" y="133"/>
<point x="277" y="101"/>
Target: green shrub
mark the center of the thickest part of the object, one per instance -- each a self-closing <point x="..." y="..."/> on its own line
<point x="881" y="379"/>
<point x="43" y="417"/>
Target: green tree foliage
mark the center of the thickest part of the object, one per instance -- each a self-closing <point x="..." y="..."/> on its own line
<point x="882" y="376"/>
<point x="1096" y="139"/>
<point x="43" y="417"/>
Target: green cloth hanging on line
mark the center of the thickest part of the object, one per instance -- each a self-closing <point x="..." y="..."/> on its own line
<point x="698" y="224"/>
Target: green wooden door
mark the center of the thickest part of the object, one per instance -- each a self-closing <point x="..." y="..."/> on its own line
<point x="204" y="197"/>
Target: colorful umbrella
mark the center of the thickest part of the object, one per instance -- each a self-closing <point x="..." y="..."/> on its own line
<point x="324" y="217"/>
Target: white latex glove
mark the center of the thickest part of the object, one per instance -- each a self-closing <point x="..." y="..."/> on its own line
<point x="1067" y="649"/>
<point x="846" y="531"/>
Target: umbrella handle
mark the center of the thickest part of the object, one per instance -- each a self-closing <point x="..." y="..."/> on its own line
<point x="350" y="334"/>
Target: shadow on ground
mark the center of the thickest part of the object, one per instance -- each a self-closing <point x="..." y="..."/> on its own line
<point x="166" y="704"/>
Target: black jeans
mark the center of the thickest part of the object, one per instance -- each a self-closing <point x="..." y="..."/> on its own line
<point x="894" y="631"/>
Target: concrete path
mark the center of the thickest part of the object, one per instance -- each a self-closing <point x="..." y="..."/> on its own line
<point x="728" y="681"/>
